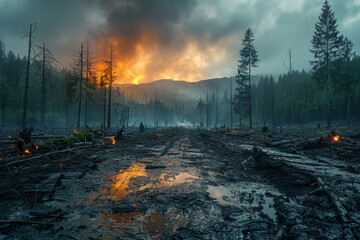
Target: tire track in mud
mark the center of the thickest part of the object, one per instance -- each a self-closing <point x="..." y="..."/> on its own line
<point x="193" y="197"/>
<point x="205" y="187"/>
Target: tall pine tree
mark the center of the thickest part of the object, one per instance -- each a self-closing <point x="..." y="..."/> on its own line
<point x="326" y="43"/>
<point x="248" y="60"/>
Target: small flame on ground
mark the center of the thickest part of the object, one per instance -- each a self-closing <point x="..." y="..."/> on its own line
<point x="112" y="140"/>
<point x="336" y="138"/>
<point x="159" y="135"/>
<point x="233" y="131"/>
<point x="27" y="152"/>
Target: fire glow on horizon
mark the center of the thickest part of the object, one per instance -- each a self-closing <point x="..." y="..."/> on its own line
<point x="148" y="61"/>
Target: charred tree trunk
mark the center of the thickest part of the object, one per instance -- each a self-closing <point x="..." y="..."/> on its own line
<point x="110" y="85"/>
<point x="155" y="110"/>
<point x="217" y="107"/>
<point x="32" y="30"/>
<point x="231" y="121"/>
<point x="145" y="110"/>
<point x="250" y="113"/>
<point x="86" y="83"/>
<point x="43" y="88"/>
<point x="80" y="87"/>
<point x="67" y="103"/>
<point x="3" y="84"/>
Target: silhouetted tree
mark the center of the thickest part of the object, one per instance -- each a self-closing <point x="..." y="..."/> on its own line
<point x="248" y="60"/>
<point x="326" y="43"/>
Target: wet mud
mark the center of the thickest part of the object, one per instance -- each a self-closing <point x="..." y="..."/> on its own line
<point x="181" y="185"/>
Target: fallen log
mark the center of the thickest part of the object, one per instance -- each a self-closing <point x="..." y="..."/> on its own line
<point x="19" y="222"/>
<point x="339" y="207"/>
<point x="44" y="155"/>
<point x="154" y="166"/>
<point x="282" y="142"/>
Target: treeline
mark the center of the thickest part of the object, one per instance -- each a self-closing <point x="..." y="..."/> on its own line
<point x="12" y="80"/>
<point x="331" y="91"/>
<point x="295" y="98"/>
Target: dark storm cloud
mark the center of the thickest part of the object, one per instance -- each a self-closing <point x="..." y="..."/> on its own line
<point x="61" y="24"/>
<point x="217" y="25"/>
<point x="129" y="19"/>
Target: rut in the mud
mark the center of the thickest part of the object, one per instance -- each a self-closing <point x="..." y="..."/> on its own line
<point x="178" y="184"/>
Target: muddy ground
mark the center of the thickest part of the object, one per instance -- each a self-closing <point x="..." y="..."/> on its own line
<point x="187" y="184"/>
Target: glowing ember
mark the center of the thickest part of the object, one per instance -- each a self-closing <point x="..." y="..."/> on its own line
<point x="27" y="151"/>
<point x="112" y="140"/>
<point x="336" y="138"/>
<point x="159" y="135"/>
<point x="233" y="131"/>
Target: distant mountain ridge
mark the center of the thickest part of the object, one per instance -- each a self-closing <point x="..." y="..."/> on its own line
<point x="174" y="91"/>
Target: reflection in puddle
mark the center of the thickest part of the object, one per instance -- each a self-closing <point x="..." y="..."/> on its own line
<point x="125" y="218"/>
<point x="268" y="207"/>
<point x="133" y="223"/>
<point x="121" y="183"/>
<point x="127" y="224"/>
<point x="169" y="180"/>
<point x="221" y="194"/>
<point x="159" y="224"/>
<point x="244" y="197"/>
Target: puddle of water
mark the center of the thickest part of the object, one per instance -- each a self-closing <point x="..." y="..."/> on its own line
<point x="231" y="196"/>
<point x="221" y="194"/>
<point x="125" y="218"/>
<point x="114" y="223"/>
<point x="134" y="223"/>
<point x="158" y="224"/>
<point x="268" y="207"/>
<point x="119" y="187"/>
<point x="168" y="180"/>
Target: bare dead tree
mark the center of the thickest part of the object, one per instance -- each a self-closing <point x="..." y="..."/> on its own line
<point x="110" y="85"/>
<point x="2" y="52"/>
<point x="31" y="37"/>
<point x="86" y="83"/>
<point x="80" y="79"/>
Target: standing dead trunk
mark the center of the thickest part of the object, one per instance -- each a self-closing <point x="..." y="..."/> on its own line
<point x="80" y="87"/>
<point x="348" y="108"/>
<point x="32" y="30"/>
<point x="110" y="85"/>
<point x="86" y="83"/>
<point x="43" y="88"/>
<point x="3" y="83"/>
<point x="231" y="105"/>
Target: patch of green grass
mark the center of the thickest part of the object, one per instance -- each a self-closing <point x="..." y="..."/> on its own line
<point x="323" y="132"/>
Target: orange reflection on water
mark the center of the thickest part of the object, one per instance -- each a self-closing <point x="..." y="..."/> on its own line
<point x="158" y="224"/>
<point x="122" y="180"/>
<point x="168" y="180"/>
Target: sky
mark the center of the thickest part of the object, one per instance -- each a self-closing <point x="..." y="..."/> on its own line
<point x="187" y="40"/>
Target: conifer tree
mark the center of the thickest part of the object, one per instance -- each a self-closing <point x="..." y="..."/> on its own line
<point x="326" y="43"/>
<point x="248" y="60"/>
